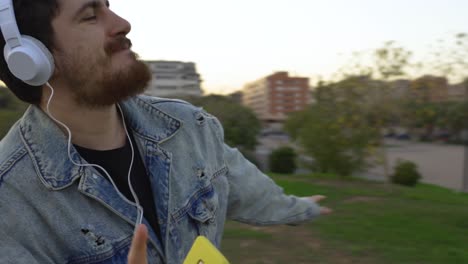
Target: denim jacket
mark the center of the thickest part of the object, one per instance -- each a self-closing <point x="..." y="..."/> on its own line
<point x="52" y="211"/>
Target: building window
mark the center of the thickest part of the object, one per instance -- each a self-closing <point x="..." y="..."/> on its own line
<point x="166" y="66"/>
<point x="166" y="87"/>
<point x="165" y="77"/>
<point x="189" y="86"/>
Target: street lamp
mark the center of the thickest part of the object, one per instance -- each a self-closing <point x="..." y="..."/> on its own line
<point x="464" y="187"/>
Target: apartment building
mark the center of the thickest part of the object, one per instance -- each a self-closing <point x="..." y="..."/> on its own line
<point x="276" y="95"/>
<point x="174" y="79"/>
<point x="458" y="92"/>
<point x="430" y="89"/>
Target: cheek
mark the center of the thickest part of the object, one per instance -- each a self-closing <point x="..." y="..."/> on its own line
<point x="86" y="43"/>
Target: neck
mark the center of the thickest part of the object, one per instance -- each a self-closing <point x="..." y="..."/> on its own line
<point x="93" y="128"/>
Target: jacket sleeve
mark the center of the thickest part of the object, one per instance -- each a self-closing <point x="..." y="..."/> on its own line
<point x="255" y="199"/>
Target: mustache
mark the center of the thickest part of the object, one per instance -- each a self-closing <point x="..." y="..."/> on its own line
<point x="118" y="44"/>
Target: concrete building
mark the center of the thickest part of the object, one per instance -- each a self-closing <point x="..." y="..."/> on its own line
<point x="429" y="88"/>
<point x="276" y="95"/>
<point x="400" y="88"/>
<point x="174" y="79"/>
<point x="236" y="97"/>
<point x="457" y="92"/>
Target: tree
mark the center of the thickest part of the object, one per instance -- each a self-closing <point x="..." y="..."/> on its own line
<point x="391" y="61"/>
<point x="384" y="63"/>
<point x="450" y="116"/>
<point x="336" y="131"/>
<point x="455" y="118"/>
<point x="450" y="59"/>
<point x="241" y="126"/>
<point x="424" y="116"/>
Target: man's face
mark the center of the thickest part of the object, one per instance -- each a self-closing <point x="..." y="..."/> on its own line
<point x="93" y="55"/>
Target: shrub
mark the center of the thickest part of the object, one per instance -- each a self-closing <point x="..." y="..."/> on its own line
<point x="283" y="160"/>
<point x="406" y="173"/>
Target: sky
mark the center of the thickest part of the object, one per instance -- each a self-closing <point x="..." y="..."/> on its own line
<point x="236" y="42"/>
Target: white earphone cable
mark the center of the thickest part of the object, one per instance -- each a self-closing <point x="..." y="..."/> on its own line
<point x="137" y="202"/>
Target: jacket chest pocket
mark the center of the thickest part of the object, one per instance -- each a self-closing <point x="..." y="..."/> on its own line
<point x="201" y="213"/>
<point x="198" y="217"/>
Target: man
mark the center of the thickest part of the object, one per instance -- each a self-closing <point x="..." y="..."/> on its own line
<point x="56" y="209"/>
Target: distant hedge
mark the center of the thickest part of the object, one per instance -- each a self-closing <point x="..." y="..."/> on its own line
<point x="283" y="160"/>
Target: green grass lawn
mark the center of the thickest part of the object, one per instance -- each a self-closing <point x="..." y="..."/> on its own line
<point x="372" y="223"/>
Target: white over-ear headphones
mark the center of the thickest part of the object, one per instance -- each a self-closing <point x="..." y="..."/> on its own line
<point x="27" y="58"/>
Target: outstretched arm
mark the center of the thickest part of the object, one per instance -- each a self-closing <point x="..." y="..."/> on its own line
<point x="254" y="198"/>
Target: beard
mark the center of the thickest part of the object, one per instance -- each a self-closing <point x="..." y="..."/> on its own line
<point x="97" y="83"/>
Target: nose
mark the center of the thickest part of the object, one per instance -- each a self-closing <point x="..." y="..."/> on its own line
<point x="118" y="25"/>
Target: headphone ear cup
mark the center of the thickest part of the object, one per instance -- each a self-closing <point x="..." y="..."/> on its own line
<point x="31" y="62"/>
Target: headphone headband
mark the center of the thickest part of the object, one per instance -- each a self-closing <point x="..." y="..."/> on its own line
<point x="8" y="24"/>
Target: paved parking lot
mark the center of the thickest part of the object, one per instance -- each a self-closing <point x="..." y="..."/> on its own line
<point x="439" y="164"/>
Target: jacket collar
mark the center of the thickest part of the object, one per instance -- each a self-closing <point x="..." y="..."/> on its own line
<point x="47" y="144"/>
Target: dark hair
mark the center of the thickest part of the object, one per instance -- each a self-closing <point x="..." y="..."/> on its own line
<point x="34" y="18"/>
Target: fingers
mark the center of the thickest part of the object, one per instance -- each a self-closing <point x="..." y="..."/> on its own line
<point x="137" y="254"/>
<point x="317" y="198"/>
<point x="325" y="210"/>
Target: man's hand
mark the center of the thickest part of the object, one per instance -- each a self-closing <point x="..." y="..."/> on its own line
<point x="137" y="254"/>
<point x="318" y="198"/>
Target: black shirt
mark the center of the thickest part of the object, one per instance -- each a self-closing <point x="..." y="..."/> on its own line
<point x="117" y="162"/>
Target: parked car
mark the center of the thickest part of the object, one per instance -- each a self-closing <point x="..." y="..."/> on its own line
<point x="403" y="136"/>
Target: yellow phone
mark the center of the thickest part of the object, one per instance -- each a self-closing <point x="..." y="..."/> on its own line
<point x="203" y="252"/>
